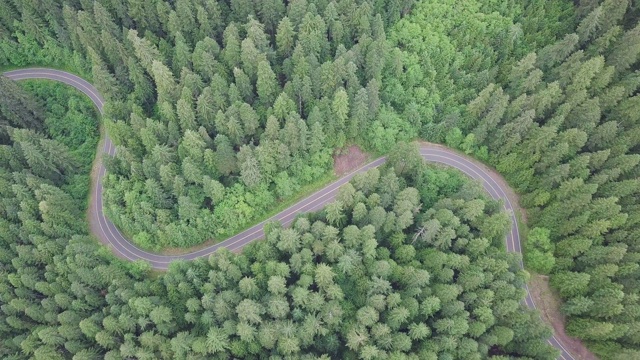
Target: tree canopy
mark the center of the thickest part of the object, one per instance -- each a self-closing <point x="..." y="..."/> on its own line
<point x="222" y="109"/>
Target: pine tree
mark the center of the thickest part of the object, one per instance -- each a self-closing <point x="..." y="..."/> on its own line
<point x="225" y="156"/>
<point x="146" y="52"/>
<point x="285" y="38"/>
<point x="231" y="49"/>
<point x="359" y="114"/>
<point x="182" y="56"/>
<point x="589" y="26"/>
<point x="165" y="82"/>
<point x="266" y="85"/>
<point x="625" y="52"/>
<point x="250" y="170"/>
<point x="556" y="53"/>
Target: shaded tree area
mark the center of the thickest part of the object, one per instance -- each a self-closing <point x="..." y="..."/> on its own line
<point x="71" y="120"/>
<point x="375" y="275"/>
<point x="218" y="109"/>
<point x="50" y="130"/>
<point x="372" y="276"/>
<point x="53" y="274"/>
<point x="221" y="109"/>
<point x="17" y="109"/>
<point x="562" y="126"/>
<point x="449" y="53"/>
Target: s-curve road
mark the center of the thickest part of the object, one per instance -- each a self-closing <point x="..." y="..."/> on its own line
<point x="104" y="229"/>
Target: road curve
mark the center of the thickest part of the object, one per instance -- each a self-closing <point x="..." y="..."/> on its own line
<point x="107" y="232"/>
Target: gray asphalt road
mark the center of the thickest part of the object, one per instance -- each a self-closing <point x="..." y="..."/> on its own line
<point x="107" y="232"/>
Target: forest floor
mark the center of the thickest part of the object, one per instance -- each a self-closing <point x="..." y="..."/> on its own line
<point x="350" y="158"/>
<point x="548" y="304"/>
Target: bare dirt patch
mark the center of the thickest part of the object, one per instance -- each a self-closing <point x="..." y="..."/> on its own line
<point x="548" y="304"/>
<point x="348" y="159"/>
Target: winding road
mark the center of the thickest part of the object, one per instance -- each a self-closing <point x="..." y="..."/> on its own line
<point x="107" y="232"/>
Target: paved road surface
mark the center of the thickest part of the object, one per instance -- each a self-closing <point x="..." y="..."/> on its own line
<point x="109" y="234"/>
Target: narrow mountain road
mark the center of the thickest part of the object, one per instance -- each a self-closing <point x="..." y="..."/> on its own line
<point x="107" y="232"/>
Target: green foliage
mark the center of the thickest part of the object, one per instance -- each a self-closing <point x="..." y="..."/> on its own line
<point x="71" y="119"/>
<point x="220" y="109"/>
<point x="253" y="97"/>
<point x="224" y="71"/>
<point x="539" y="253"/>
<point x="321" y="288"/>
<point x="63" y="140"/>
<point x="557" y="140"/>
<point x="450" y="53"/>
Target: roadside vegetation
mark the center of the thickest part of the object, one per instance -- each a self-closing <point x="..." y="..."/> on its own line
<point x="223" y="109"/>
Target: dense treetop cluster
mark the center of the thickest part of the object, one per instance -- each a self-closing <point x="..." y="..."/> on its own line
<point x="219" y="110"/>
<point x="408" y="262"/>
<point x="223" y="109"/>
<point x="563" y="127"/>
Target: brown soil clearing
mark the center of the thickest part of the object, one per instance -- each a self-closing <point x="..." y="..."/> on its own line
<point x="348" y="159"/>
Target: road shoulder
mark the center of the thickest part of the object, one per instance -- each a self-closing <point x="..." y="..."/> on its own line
<point x="548" y="304"/>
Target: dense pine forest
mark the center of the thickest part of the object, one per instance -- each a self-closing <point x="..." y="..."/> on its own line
<point x="222" y="110"/>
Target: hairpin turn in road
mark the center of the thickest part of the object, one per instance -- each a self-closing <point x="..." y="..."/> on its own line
<point x="107" y="232"/>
